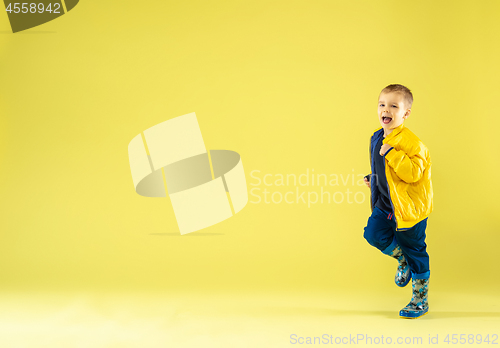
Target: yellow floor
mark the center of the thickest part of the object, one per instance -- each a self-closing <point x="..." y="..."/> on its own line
<point x="240" y="320"/>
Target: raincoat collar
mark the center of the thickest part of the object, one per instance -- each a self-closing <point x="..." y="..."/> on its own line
<point x="395" y="132"/>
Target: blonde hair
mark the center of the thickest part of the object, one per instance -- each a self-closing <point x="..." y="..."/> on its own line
<point x="405" y="91"/>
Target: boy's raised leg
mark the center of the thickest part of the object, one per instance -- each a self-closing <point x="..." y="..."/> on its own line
<point x="403" y="274"/>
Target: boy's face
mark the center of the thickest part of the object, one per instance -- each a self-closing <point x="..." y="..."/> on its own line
<point x="392" y="111"/>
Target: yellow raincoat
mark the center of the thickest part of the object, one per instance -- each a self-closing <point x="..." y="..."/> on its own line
<point x="408" y="173"/>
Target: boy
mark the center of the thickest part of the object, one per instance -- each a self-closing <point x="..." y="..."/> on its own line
<point x="401" y="196"/>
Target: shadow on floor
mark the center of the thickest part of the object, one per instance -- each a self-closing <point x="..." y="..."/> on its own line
<point x="447" y="315"/>
<point x="28" y="32"/>
<point x="387" y="314"/>
<point x="193" y="234"/>
<point x="327" y="312"/>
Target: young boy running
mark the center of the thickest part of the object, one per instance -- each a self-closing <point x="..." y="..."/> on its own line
<point x="401" y="196"/>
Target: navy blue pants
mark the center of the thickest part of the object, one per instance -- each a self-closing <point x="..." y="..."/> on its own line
<point x="380" y="232"/>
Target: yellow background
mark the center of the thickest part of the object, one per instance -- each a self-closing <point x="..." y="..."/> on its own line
<point x="290" y="86"/>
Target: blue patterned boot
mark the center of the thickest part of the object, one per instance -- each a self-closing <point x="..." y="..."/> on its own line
<point x="418" y="305"/>
<point x="403" y="274"/>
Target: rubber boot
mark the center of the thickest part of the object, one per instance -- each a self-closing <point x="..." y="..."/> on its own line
<point x="403" y="274"/>
<point x="418" y="305"/>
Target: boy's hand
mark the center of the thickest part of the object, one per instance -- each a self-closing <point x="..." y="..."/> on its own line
<point x="367" y="182"/>
<point x="384" y="149"/>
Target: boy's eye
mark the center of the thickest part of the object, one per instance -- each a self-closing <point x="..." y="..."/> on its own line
<point x="394" y="106"/>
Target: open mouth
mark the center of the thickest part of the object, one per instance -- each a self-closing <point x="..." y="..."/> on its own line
<point x="386" y="119"/>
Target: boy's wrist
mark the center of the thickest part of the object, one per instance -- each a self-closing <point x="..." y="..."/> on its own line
<point x="390" y="154"/>
<point x="385" y="154"/>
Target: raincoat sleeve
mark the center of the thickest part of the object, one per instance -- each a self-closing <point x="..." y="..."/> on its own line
<point x="408" y="168"/>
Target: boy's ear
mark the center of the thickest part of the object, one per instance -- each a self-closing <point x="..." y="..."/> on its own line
<point x="407" y="113"/>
